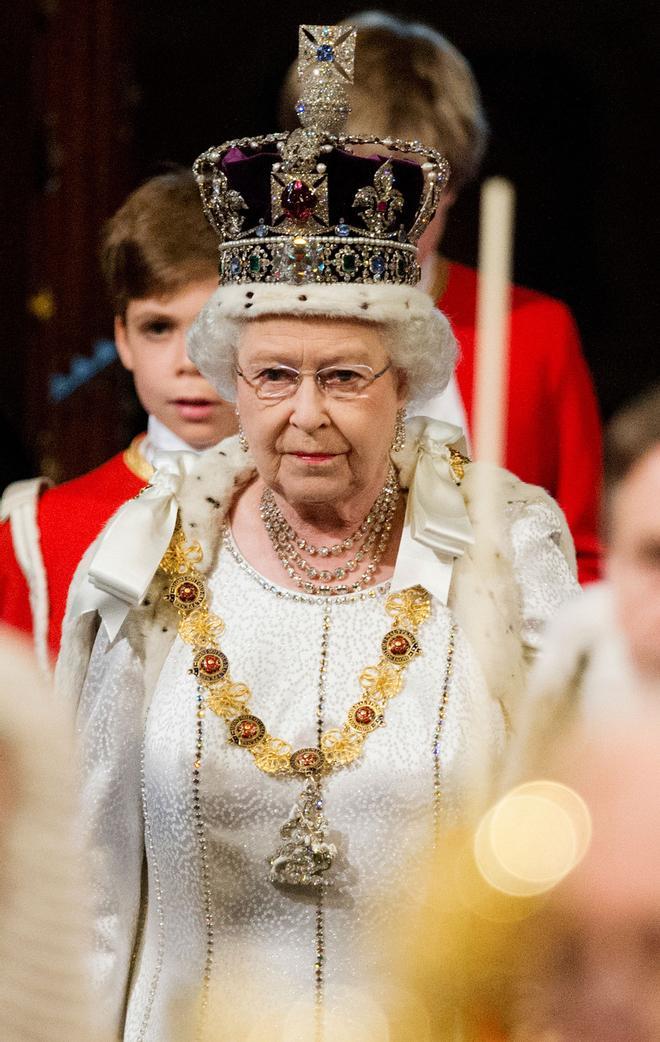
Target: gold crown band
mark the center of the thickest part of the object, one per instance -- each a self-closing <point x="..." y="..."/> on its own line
<point x="320" y="259"/>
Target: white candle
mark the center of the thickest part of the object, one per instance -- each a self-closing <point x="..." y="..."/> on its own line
<point x="493" y="305"/>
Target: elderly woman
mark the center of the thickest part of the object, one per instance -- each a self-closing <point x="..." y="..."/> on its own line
<point x="320" y="576"/>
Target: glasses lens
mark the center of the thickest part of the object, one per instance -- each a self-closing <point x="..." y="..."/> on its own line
<point x="345" y="381"/>
<point x="275" y="382"/>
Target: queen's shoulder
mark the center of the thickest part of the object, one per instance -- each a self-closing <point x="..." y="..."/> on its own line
<point x="486" y="487"/>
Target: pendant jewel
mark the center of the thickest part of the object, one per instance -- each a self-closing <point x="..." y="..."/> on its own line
<point x="305" y="856"/>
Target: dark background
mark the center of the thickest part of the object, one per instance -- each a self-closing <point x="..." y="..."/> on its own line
<point x="102" y="93"/>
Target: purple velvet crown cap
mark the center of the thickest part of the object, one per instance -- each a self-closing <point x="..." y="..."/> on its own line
<point x="251" y="176"/>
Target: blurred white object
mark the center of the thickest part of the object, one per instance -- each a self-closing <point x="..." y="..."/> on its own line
<point x="43" y="912"/>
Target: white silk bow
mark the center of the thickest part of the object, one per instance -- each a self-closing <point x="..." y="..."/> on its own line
<point x="436" y="529"/>
<point x="132" y="545"/>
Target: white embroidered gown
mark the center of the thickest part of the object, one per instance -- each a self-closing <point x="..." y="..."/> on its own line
<point x="203" y="923"/>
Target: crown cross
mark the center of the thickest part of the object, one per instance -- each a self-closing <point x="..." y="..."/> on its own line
<point x="326" y="56"/>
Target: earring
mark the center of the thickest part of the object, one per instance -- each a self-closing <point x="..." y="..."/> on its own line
<point x="242" y="440"/>
<point x="399" y="431"/>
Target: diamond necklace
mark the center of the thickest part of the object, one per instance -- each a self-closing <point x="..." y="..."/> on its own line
<point x="371" y="536"/>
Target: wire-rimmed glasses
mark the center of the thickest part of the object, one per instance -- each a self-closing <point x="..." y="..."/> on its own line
<point x="337" y="381"/>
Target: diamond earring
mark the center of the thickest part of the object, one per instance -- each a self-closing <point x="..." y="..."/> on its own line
<point x="242" y="440"/>
<point x="399" y="431"/>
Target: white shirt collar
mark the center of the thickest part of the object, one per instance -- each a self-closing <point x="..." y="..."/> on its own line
<point x="161" y="439"/>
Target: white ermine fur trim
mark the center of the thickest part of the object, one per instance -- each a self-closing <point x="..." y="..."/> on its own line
<point x="484" y="586"/>
<point x="45" y="918"/>
<point x="219" y="473"/>
<point x="419" y="337"/>
<point x="584" y="674"/>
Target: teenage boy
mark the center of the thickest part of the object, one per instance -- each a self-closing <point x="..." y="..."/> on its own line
<point x="159" y="260"/>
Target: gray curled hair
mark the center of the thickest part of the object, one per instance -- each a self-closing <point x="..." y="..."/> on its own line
<point x="418" y="337"/>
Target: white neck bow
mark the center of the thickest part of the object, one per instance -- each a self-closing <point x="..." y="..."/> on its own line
<point x="436" y="530"/>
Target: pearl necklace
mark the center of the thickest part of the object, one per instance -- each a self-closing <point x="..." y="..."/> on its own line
<point x="371" y="536"/>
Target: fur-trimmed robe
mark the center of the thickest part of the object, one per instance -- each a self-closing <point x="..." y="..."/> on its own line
<point x="584" y="677"/>
<point x="484" y="595"/>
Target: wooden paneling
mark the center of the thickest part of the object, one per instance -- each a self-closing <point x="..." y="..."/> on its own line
<point x="80" y="113"/>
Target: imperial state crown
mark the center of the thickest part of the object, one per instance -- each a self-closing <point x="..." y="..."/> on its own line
<point x="309" y="206"/>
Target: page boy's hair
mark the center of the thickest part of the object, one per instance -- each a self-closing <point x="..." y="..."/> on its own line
<point x="158" y="241"/>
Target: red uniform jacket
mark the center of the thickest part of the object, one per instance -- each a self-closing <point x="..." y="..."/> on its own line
<point x="70" y="517"/>
<point x="553" y="428"/>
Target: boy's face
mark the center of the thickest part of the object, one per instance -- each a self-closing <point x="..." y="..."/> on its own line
<point x="151" y="342"/>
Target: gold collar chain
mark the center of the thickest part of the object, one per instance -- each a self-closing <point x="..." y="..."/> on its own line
<point x="229" y="699"/>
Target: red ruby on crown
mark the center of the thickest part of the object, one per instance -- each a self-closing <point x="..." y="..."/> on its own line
<point x="298" y="201"/>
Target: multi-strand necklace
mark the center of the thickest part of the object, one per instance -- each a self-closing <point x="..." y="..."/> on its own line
<point x="322" y="577"/>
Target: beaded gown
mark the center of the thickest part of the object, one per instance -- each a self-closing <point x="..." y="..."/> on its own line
<point x="183" y="823"/>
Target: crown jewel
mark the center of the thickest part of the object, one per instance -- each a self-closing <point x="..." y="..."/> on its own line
<point x="303" y="206"/>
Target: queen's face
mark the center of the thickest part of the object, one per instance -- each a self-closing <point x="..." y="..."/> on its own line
<point x="309" y="447"/>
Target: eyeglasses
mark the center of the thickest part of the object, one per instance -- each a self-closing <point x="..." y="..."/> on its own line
<point x="337" y="381"/>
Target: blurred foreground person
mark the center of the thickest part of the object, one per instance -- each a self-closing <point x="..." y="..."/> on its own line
<point x="544" y="924"/>
<point x="591" y="971"/>
<point x="607" y="641"/>
<point x="159" y="261"/>
<point x="412" y="83"/>
<point x="44" y="917"/>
